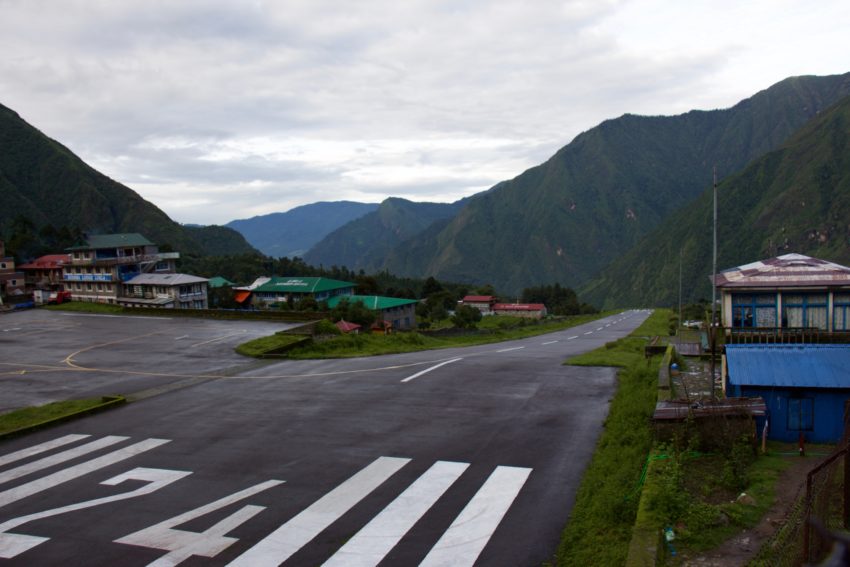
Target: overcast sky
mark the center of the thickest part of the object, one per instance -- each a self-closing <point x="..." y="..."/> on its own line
<point x="222" y="110"/>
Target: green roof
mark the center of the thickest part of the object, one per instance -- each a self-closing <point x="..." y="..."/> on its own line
<point x="219" y="281"/>
<point x="373" y="302"/>
<point x="301" y="285"/>
<point x="98" y="241"/>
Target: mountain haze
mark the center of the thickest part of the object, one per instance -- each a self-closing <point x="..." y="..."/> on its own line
<point x="365" y="242"/>
<point x="568" y="218"/>
<point x="794" y="199"/>
<point x="294" y="232"/>
<point x="44" y="182"/>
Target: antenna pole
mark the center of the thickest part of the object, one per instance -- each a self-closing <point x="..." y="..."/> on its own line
<point x="712" y="323"/>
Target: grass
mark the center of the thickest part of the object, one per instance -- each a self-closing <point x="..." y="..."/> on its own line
<point x="365" y="344"/>
<point x="600" y="525"/>
<point x="267" y="345"/>
<point x="26" y="417"/>
<point x="86" y="307"/>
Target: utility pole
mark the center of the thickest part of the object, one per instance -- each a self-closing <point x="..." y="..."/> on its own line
<point x="712" y="325"/>
<point x="680" y="288"/>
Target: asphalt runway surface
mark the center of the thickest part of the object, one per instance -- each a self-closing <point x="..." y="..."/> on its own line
<point x="468" y="456"/>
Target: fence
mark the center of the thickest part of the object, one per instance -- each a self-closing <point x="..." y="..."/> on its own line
<point x="826" y="500"/>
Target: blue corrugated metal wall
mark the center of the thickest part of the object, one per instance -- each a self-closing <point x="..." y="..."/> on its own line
<point x="827" y="411"/>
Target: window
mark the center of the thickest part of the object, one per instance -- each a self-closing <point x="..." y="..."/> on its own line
<point x="804" y="310"/>
<point x="801" y="414"/>
<point x="841" y="312"/>
<point x="753" y="310"/>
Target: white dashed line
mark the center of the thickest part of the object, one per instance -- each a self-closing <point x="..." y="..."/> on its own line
<point x="550" y="342"/>
<point x="589" y="333"/>
<point x="427" y="370"/>
<point x="510" y="349"/>
<point x="571" y="338"/>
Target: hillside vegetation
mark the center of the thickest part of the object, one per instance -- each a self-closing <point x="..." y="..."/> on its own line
<point x="794" y="199"/>
<point x="43" y="184"/>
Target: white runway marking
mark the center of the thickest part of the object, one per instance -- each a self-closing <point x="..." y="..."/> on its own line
<point x="181" y="337"/>
<point x="278" y="546"/>
<point x="371" y="544"/>
<point x="573" y="337"/>
<point x="599" y="329"/>
<point x="550" y="342"/>
<point x="58" y="458"/>
<point x="40" y="448"/>
<point x="65" y="475"/>
<point x="427" y="370"/>
<point x="466" y="538"/>
<point x="114" y="316"/>
<point x="589" y="333"/>
<point x="510" y="349"/>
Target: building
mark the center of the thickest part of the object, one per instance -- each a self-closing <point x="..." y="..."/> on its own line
<point x="46" y="272"/>
<point x="104" y="262"/>
<point x="484" y="303"/>
<point x="530" y="310"/>
<point x="399" y="313"/>
<point x="180" y="291"/>
<point x="806" y="387"/>
<point x="275" y="289"/>
<point x="12" y="282"/>
<point x="785" y="293"/>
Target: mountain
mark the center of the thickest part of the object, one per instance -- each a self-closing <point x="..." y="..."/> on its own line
<point x="44" y="182"/>
<point x="292" y="233"/>
<point x="566" y="219"/>
<point x="794" y="199"/>
<point x="365" y="242"/>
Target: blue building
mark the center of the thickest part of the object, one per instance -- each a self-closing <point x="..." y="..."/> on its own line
<point x="806" y="387"/>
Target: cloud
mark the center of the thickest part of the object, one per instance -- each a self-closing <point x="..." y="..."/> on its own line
<point x="221" y="110"/>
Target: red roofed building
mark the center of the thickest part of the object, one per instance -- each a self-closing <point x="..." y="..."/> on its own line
<point x="45" y="272"/>
<point x="347" y="327"/>
<point x="484" y="303"/>
<point x="530" y="310"/>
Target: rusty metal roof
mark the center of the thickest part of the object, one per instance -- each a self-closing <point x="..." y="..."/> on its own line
<point x="677" y="410"/>
<point x="790" y="270"/>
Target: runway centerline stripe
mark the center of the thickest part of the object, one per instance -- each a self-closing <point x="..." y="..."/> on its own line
<point x="279" y="546"/>
<point x="427" y="370"/>
<point x="589" y="333"/>
<point x="40" y="448"/>
<point x="76" y="471"/>
<point x="52" y="460"/>
<point x="573" y="337"/>
<point x="466" y="538"/>
<point x="372" y="543"/>
<point x="510" y="349"/>
<point x="550" y="342"/>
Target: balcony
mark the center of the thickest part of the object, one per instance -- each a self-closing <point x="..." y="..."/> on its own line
<point x="788" y="335"/>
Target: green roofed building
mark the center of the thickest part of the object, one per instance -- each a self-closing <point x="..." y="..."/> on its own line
<point x="401" y="313"/>
<point x="218" y="282"/>
<point x="279" y="289"/>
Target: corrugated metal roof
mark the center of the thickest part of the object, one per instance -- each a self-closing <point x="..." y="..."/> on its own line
<point x="519" y="307"/>
<point x="789" y="270"/>
<point x="373" y="302"/>
<point x="165" y="279"/>
<point x="219" y="281"/>
<point x="789" y="366"/>
<point x="47" y="262"/>
<point x="301" y="285"/>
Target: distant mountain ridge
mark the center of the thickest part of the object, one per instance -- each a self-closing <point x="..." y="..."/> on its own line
<point x="568" y="218"/>
<point x="43" y="181"/>
<point x="365" y="242"/>
<point x="294" y="232"/>
<point x="793" y="199"/>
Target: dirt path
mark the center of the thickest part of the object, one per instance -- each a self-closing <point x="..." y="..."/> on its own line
<point x="741" y="548"/>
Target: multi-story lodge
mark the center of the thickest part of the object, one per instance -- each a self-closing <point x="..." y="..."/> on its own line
<point x="182" y="291"/>
<point x="100" y="266"/>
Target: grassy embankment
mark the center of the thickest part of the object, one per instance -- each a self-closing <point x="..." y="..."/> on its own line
<point x="27" y="417"/>
<point x="491" y="330"/>
<point x="600" y="525"/>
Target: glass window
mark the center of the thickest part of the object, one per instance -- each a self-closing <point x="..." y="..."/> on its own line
<point x="804" y="311"/>
<point x="754" y="311"/>
<point x="841" y="312"/>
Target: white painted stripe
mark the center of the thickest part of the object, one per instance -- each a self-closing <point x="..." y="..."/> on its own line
<point x="181" y="337"/>
<point x="279" y="546"/>
<point x="65" y="475"/>
<point x="427" y="370"/>
<point x="372" y="543"/>
<point x="573" y="337"/>
<point x="40" y="448"/>
<point x="115" y="316"/>
<point x="599" y="329"/>
<point x="550" y="342"/>
<point x="58" y="458"/>
<point x="465" y="539"/>
<point x="242" y="332"/>
<point x="589" y="333"/>
<point x="510" y="349"/>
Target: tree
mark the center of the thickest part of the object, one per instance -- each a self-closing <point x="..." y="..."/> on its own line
<point x="466" y="317"/>
<point x="430" y="287"/>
